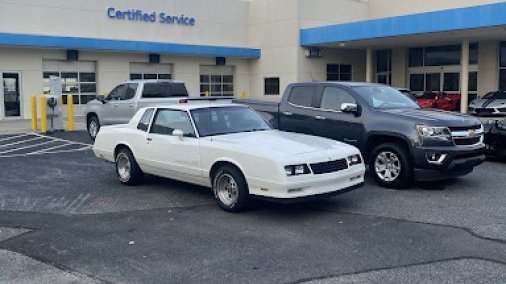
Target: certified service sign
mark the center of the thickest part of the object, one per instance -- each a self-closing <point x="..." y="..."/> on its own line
<point x="152" y="17"/>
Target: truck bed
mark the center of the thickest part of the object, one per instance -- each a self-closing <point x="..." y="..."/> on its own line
<point x="268" y="110"/>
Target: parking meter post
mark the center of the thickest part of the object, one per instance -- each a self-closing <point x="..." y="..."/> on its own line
<point x="34" y="113"/>
<point x="70" y="112"/>
<point x="43" y="114"/>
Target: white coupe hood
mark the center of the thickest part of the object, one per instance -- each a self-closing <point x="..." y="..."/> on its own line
<point x="276" y="143"/>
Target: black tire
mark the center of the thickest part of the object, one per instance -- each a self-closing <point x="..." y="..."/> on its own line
<point x="404" y="176"/>
<point x="237" y="202"/>
<point x="91" y="123"/>
<point x="135" y="174"/>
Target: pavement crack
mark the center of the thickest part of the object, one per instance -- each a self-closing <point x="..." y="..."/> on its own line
<point x="322" y="277"/>
<point x="466" y="229"/>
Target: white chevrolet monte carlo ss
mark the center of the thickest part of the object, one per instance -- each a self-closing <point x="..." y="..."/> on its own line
<point x="231" y="149"/>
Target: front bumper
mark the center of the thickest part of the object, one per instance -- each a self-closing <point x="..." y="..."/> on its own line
<point x="305" y="186"/>
<point x="459" y="161"/>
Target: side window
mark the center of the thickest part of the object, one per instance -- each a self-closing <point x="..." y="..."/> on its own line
<point x="129" y="93"/>
<point x="117" y="92"/>
<point x="302" y="96"/>
<point x="145" y="119"/>
<point x="166" y="121"/>
<point x="333" y="98"/>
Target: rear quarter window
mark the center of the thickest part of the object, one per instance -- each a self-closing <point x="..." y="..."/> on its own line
<point x="145" y="120"/>
<point x="164" y="90"/>
<point x="302" y="96"/>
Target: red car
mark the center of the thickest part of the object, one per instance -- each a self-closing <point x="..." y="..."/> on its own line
<point x="439" y="100"/>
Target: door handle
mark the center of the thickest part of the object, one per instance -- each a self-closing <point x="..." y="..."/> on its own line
<point x="350" y="140"/>
<point x="319" y="117"/>
<point x="149" y="139"/>
<point x="116" y="105"/>
<point x="131" y="105"/>
<point x="287" y="113"/>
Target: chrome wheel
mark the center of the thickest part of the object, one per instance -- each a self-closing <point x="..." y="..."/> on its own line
<point x="123" y="167"/>
<point x="93" y="128"/>
<point x="387" y="166"/>
<point x="226" y="189"/>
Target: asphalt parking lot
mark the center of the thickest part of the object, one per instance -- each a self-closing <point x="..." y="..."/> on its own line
<point x="65" y="218"/>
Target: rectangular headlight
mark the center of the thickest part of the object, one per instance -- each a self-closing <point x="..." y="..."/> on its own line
<point x="436" y="132"/>
<point x="354" y="160"/>
<point x="294" y="170"/>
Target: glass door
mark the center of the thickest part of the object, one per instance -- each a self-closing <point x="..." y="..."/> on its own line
<point x="11" y="95"/>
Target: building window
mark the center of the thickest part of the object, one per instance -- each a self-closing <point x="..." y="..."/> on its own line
<point x="146" y="71"/>
<point x="271" y="86"/>
<point x="443" y="55"/>
<point x="339" y="72"/>
<point x="78" y="79"/>
<point x="217" y="80"/>
<point x="384" y="67"/>
<point x="502" y="66"/>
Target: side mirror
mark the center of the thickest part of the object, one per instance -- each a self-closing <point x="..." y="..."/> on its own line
<point x="178" y="133"/>
<point x="101" y="99"/>
<point x="349" y="108"/>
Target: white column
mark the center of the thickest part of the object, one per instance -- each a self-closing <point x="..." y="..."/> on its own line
<point x="369" y="66"/>
<point x="464" y="76"/>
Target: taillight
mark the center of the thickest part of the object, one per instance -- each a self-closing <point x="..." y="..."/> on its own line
<point x="183" y="101"/>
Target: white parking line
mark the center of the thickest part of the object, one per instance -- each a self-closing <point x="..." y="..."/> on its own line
<point x="37" y="141"/>
<point x="14" y="137"/>
<point x="63" y="140"/>
<point x="27" y="147"/>
<point x="21" y="142"/>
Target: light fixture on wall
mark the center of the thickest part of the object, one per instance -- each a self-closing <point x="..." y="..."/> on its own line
<point x="313" y="52"/>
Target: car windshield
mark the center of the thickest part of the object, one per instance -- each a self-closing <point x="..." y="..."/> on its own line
<point x="495" y="96"/>
<point x="383" y="97"/>
<point x="226" y="120"/>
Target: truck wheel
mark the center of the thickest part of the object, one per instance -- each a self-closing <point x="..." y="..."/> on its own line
<point x="230" y="189"/>
<point x="93" y="126"/>
<point x="127" y="169"/>
<point x="390" y="166"/>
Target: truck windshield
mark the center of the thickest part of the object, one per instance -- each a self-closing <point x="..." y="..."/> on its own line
<point x="226" y="120"/>
<point x="383" y="97"/>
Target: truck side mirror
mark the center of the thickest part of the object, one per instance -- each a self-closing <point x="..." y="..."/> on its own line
<point x="349" y="108"/>
<point x="101" y="99"/>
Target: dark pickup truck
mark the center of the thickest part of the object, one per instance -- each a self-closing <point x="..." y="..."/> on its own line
<point x="400" y="141"/>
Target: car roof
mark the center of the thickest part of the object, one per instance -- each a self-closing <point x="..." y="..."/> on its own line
<point x="190" y="106"/>
<point x="340" y="83"/>
<point x="153" y="81"/>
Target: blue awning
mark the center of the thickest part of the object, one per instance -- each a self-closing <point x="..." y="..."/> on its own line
<point x="430" y="22"/>
<point x="124" y="45"/>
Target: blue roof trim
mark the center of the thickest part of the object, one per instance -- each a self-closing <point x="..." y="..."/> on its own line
<point x="439" y="21"/>
<point x="124" y="45"/>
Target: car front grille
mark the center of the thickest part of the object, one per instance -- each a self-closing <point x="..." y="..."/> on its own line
<point x="329" y="167"/>
<point x="484" y="110"/>
<point x="467" y="141"/>
<point x="468" y="135"/>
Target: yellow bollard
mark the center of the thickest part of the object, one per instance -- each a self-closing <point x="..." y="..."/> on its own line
<point x="243" y="95"/>
<point x="206" y="94"/>
<point x="34" y="113"/>
<point x="43" y="114"/>
<point x="70" y="112"/>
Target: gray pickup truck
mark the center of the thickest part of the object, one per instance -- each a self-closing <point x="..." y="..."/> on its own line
<point x="399" y="140"/>
<point x="125" y="99"/>
<point x="128" y="97"/>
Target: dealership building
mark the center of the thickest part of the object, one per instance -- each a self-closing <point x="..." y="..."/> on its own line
<point x="255" y="47"/>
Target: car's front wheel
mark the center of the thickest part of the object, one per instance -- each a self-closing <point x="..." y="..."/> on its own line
<point x="230" y="189"/>
<point x="93" y="126"/>
<point x="390" y="166"/>
<point x="127" y="169"/>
